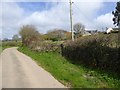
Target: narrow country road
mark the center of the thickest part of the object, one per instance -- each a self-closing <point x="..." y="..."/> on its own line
<point x="20" y="71"/>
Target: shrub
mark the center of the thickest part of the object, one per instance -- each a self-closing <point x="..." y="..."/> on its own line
<point x="11" y="43"/>
<point x="99" y="51"/>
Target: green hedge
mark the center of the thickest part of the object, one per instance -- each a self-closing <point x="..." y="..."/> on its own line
<point x="100" y="51"/>
<point x="11" y="43"/>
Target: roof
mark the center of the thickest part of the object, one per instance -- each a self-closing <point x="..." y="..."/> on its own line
<point x="116" y="28"/>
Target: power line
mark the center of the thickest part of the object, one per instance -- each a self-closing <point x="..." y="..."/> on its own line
<point x="82" y="13"/>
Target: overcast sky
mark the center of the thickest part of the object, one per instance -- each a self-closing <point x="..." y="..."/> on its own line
<point x="54" y="14"/>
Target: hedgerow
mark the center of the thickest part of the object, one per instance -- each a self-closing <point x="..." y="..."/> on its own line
<point x="100" y="51"/>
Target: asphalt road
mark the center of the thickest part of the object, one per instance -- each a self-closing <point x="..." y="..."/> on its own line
<point x="20" y="71"/>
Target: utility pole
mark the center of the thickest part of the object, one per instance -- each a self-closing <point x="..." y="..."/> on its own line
<point x="71" y="22"/>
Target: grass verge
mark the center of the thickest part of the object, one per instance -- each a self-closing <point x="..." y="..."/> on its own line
<point x="3" y="47"/>
<point x="69" y="74"/>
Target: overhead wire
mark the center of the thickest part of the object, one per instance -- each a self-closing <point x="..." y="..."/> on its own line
<point x="77" y="8"/>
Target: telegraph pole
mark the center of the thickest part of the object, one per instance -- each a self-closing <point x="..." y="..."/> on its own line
<point x="71" y="22"/>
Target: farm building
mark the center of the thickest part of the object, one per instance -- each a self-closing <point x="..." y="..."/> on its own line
<point x="112" y="30"/>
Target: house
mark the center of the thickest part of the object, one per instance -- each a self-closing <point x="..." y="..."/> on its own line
<point x="112" y="30"/>
<point x="90" y="32"/>
<point x="109" y="30"/>
<point x="93" y="32"/>
<point x="86" y="33"/>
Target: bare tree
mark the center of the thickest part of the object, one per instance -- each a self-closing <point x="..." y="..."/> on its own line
<point x="79" y="29"/>
<point x="29" y="34"/>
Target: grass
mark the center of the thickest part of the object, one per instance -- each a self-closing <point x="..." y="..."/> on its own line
<point x="4" y="47"/>
<point x="0" y="48"/>
<point x="69" y="74"/>
<point x="8" y="44"/>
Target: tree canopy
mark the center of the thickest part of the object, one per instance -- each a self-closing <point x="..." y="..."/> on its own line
<point x="15" y="37"/>
<point x="116" y="13"/>
<point x="29" y="34"/>
<point x="57" y="34"/>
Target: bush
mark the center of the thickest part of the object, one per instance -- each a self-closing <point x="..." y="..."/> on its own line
<point x="99" y="51"/>
<point x="11" y="43"/>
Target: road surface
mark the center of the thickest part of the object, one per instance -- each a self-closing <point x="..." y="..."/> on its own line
<point x="20" y="71"/>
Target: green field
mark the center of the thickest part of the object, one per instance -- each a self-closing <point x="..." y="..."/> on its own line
<point x="8" y="44"/>
<point x="69" y="74"/>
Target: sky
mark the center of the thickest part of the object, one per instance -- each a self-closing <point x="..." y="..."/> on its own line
<point x="48" y="15"/>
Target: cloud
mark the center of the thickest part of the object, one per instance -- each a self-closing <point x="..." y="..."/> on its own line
<point x="86" y="12"/>
<point x="55" y="17"/>
<point x="58" y="0"/>
<point x="104" y="21"/>
<point x="11" y="15"/>
<point x="58" y="16"/>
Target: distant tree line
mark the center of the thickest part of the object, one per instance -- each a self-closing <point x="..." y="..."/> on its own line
<point x="30" y="35"/>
